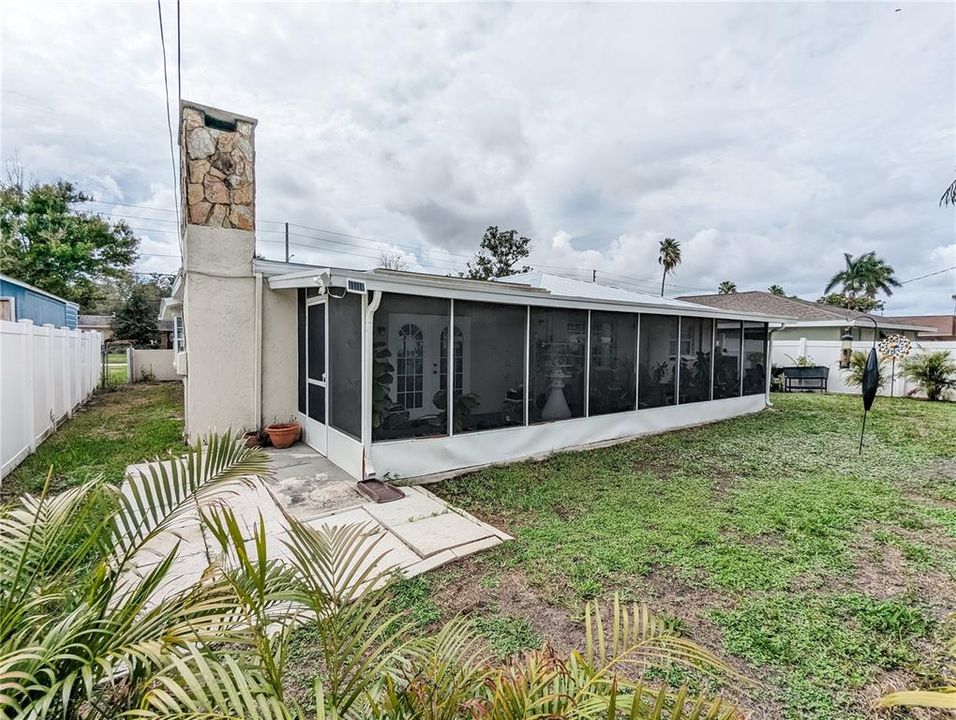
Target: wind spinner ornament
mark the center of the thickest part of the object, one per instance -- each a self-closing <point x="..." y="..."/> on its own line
<point x="894" y="346"/>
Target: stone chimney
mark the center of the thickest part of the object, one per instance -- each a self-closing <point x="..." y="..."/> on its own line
<point x="220" y="290"/>
<point x="218" y="168"/>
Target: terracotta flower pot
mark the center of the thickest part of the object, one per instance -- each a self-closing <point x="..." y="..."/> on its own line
<point x="283" y="435"/>
<point x="252" y="439"/>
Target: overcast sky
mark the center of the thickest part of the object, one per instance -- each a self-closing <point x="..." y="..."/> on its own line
<point x="768" y="138"/>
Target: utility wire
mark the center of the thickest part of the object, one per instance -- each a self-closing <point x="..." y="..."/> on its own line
<point x="922" y="277"/>
<point x="169" y="119"/>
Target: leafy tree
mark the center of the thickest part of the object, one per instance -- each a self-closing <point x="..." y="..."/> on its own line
<point x="934" y="372"/>
<point x="777" y="290"/>
<point x="498" y="254"/>
<point x="727" y="287"/>
<point x="860" y="303"/>
<point x="668" y="258"/>
<point x="865" y="275"/>
<point x="46" y="242"/>
<point x="135" y="319"/>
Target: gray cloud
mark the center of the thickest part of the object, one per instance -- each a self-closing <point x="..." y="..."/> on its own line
<point x="768" y="138"/>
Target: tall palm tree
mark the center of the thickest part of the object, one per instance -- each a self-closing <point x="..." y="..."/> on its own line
<point x="864" y="275"/>
<point x="727" y="287"/>
<point x="669" y="258"/>
<point x="776" y="290"/>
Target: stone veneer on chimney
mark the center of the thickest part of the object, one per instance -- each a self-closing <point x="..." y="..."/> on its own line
<point x="218" y="157"/>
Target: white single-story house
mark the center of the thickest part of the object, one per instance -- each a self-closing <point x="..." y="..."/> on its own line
<point x="810" y="320"/>
<point x="399" y="374"/>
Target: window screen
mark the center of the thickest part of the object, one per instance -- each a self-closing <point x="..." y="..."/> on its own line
<point x="755" y="358"/>
<point x="491" y="393"/>
<point x="407" y="398"/>
<point x="345" y="364"/>
<point x="657" y="361"/>
<point x="558" y="341"/>
<point x="613" y="371"/>
<point x="317" y="403"/>
<point x="696" y="353"/>
<point x="727" y="359"/>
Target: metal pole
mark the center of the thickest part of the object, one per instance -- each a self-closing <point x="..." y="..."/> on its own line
<point x="287" y="242"/>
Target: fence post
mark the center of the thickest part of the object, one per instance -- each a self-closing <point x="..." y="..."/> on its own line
<point x="29" y="383"/>
<point x="129" y="365"/>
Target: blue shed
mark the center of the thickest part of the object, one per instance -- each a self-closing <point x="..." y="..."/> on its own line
<point x="20" y="301"/>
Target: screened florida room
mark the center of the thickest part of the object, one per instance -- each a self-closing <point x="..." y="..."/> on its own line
<point x="412" y="375"/>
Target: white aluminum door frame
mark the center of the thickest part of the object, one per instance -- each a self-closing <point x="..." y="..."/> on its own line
<point x="315" y="433"/>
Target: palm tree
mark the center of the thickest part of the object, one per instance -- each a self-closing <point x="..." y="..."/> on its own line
<point x="776" y="290"/>
<point x="949" y="196"/>
<point x="86" y="632"/>
<point x="865" y="275"/>
<point x="727" y="287"/>
<point x="669" y="258"/>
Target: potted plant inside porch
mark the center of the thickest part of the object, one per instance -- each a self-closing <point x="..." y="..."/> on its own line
<point x="283" y="434"/>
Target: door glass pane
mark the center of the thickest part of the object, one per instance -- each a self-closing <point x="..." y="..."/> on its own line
<point x="407" y="399"/>
<point x="316" y="314"/>
<point x="558" y="339"/>
<point x="657" y="366"/>
<point x="727" y="359"/>
<point x="696" y="351"/>
<point x="317" y="403"/>
<point x="345" y="364"/>
<point x="613" y="373"/>
<point x="491" y="393"/>
<point x="755" y="358"/>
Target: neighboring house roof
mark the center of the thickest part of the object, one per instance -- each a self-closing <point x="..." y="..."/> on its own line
<point x="93" y="322"/>
<point x="942" y="325"/>
<point x="803" y="312"/>
<point x="31" y="288"/>
<point x="534" y="288"/>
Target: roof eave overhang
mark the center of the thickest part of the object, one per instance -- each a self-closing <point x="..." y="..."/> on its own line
<point x="483" y="291"/>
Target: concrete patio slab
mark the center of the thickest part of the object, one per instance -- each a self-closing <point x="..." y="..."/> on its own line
<point x="415" y="534"/>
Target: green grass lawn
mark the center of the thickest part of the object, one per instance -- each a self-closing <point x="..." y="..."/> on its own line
<point x="127" y="425"/>
<point x="823" y="575"/>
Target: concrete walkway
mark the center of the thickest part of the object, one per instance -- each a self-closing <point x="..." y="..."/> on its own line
<point x="418" y="533"/>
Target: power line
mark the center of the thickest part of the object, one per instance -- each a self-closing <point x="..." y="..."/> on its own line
<point x="132" y="205"/>
<point x="922" y="277"/>
<point x="169" y="119"/>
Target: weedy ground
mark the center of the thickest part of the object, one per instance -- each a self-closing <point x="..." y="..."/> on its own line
<point x="824" y="575"/>
<point x="126" y="425"/>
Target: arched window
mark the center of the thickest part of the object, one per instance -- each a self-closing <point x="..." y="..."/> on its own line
<point x="459" y="361"/>
<point x="409" y="367"/>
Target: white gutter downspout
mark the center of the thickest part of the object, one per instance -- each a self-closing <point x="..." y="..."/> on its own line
<point x="257" y="372"/>
<point x="368" y="354"/>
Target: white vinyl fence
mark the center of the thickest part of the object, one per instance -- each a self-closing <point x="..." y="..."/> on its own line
<point x="45" y="374"/>
<point x="827" y="353"/>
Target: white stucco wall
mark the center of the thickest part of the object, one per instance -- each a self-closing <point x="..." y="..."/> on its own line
<point x="219" y="316"/>
<point x="155" y="364"/>
<point x="279" y="355"/>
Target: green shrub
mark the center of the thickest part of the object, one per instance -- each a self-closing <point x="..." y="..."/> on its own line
<point x="934" y="372"/>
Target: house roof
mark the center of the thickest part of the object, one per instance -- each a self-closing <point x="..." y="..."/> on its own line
<point x="804" y="312"/>
<point x="534" y="288"/>
<point x="940" y="324"/>
<point x="93" y="321"/>
<point x="31" y="288"/>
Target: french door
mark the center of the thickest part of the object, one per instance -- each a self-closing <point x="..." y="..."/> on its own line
<point x="315" y="379"/>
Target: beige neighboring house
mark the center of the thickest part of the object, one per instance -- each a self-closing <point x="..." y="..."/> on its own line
<point x="100" y="323"/>
<point x="811" y="320"/>
<point x="407" y="375"/>
<point x="943" y="326"/>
